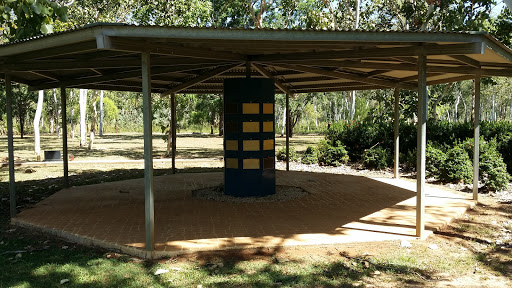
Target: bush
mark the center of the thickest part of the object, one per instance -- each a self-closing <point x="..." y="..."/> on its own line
<point x="332" y="155"/>
<point x="493" y="171"/>
<point x="410" y="159"/>
<point x="376" y="158"/>
<point x="281" y="154"/>
<point x="505" y="148"/>
<point x="310" y="156"/>
<point x="457" y="167"/>
<point x="356" y="137"/>
<point x="435" y="159"/>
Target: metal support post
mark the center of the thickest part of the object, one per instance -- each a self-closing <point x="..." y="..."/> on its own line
<point x="287" y="132"/>
<point x="10" y="145"/>
<point x="65" y="158"/>
<point x="173" y="132"/>
<point x="397" y="136"/>
<point x="148" y="152"/>
<point x="421" y="146"/>
<point x="476" y="146"/>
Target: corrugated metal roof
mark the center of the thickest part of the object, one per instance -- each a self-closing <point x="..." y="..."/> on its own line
<point x="106" y="56"/>
<point x="108" y="24"/>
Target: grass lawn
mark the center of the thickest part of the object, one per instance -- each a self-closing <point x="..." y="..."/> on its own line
<point x="473" y="251"/>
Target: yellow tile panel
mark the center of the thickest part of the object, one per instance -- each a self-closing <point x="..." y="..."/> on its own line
<point x="232" y="145"/>
<point x="251" y="145"/>
<point x="232" y="163"/>
<point x="268" y="108"/>
<point x="251" y="163"/>
<point x="268" y="144"/>
<point x="251" y="127"/>
<point x="268" y="126"/>
<point x="251" y="108"/>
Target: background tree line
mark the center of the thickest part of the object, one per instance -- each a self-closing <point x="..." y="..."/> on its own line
<point x="310" y="112"/>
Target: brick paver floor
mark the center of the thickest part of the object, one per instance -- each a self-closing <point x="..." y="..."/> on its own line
<point x="338" y="209"/>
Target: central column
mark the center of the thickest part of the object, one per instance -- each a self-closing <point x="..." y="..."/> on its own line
<point x="249" y="146"/>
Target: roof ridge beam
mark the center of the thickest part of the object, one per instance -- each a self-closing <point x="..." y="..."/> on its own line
<point x="70" y="82"/>
<point x="467" y="60"/>
<point x="200" y="78"/>
<point x="53" y="51"/>
<point x="269" y="75"/>
<point x="427" y="49"/>
<point x="115" y="43"/>
<point x="348" y="76"/>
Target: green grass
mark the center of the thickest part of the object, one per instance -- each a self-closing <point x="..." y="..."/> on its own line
<point x="45" y="263"/>
<point x="85" y="267"/>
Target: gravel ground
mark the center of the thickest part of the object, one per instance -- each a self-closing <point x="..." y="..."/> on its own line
<point x="504" y="196"/>
<point x="283" y="193"/>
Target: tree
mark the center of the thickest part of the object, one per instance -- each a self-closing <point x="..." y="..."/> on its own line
<point x="27" y="18"/>
<point x="37" y="119"/>
<point x="190" y="13"/>
<point x="83" y="105"/>
<point x="24" y="101"/>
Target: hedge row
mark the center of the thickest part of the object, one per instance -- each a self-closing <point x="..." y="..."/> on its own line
<point x="449" y="150"/>
<point x="358" y="137"/>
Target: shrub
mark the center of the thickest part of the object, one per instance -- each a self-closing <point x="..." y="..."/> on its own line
<point x="505" y="148"/>
<point x="310" y="156"/>
<point x="458" y="166"/>
<point x="435" y="159"/>
<point x="493" y="171"/>
<point x="410" y="159"/>
<point x="332" y="155"/>
<point x="376" y="158"/>
<point x="281" y="154"/>
<point x="356" y="137"/>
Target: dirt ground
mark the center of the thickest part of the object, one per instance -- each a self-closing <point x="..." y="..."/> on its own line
<point x="474" y="250"/>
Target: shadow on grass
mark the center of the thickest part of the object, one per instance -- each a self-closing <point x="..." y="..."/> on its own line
<point x="233" y="271"/>
<point x="28" y="193"/>
<point x="496" y="257"/>
<point x="82" y="266"/>
<point x="87" y="267"/>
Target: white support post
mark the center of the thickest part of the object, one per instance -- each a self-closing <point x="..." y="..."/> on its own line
<point x="173" y="132"/>
<point x="10" y="145"/>
<point x="148" y="152"/>
<point x="64" y="136"/>
<point x="476" y="144"/>
<point x="421" y="146"/>
<point x="397" y="135"/>
<point x="287" y="132"/>
<point x="101" y="113"/>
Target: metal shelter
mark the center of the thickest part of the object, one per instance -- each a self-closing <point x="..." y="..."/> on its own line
<point x="170" y="60"/>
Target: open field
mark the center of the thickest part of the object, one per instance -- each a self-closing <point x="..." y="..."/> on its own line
<point x="192" y="151"/>
<point x="473" y="251"/>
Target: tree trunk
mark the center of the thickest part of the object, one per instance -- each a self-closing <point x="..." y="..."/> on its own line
<point x="21" y="117"/>
<point x="37" y="119"/>
<point x="56" y="114"/>
<point x="353" y="105"/>
<point x="94" y="120"/>
<point x="335" y="110"/>
<point x="52" y="122"/>
<point x="72" y="116"/>
<point x="316" y="114"/>
<point x="493" y="116"/>
<point x="101" y="113"/>
<point x="169" y="135"/>
<point x="465" y="111"/>
<point x="221" y="123"/>
<point x="284" y="121"/>
<point x="457" y="100"/>
<point x="82" y="103"/>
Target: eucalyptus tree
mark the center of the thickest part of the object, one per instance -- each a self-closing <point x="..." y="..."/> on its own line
<point x="22" y="19"/>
